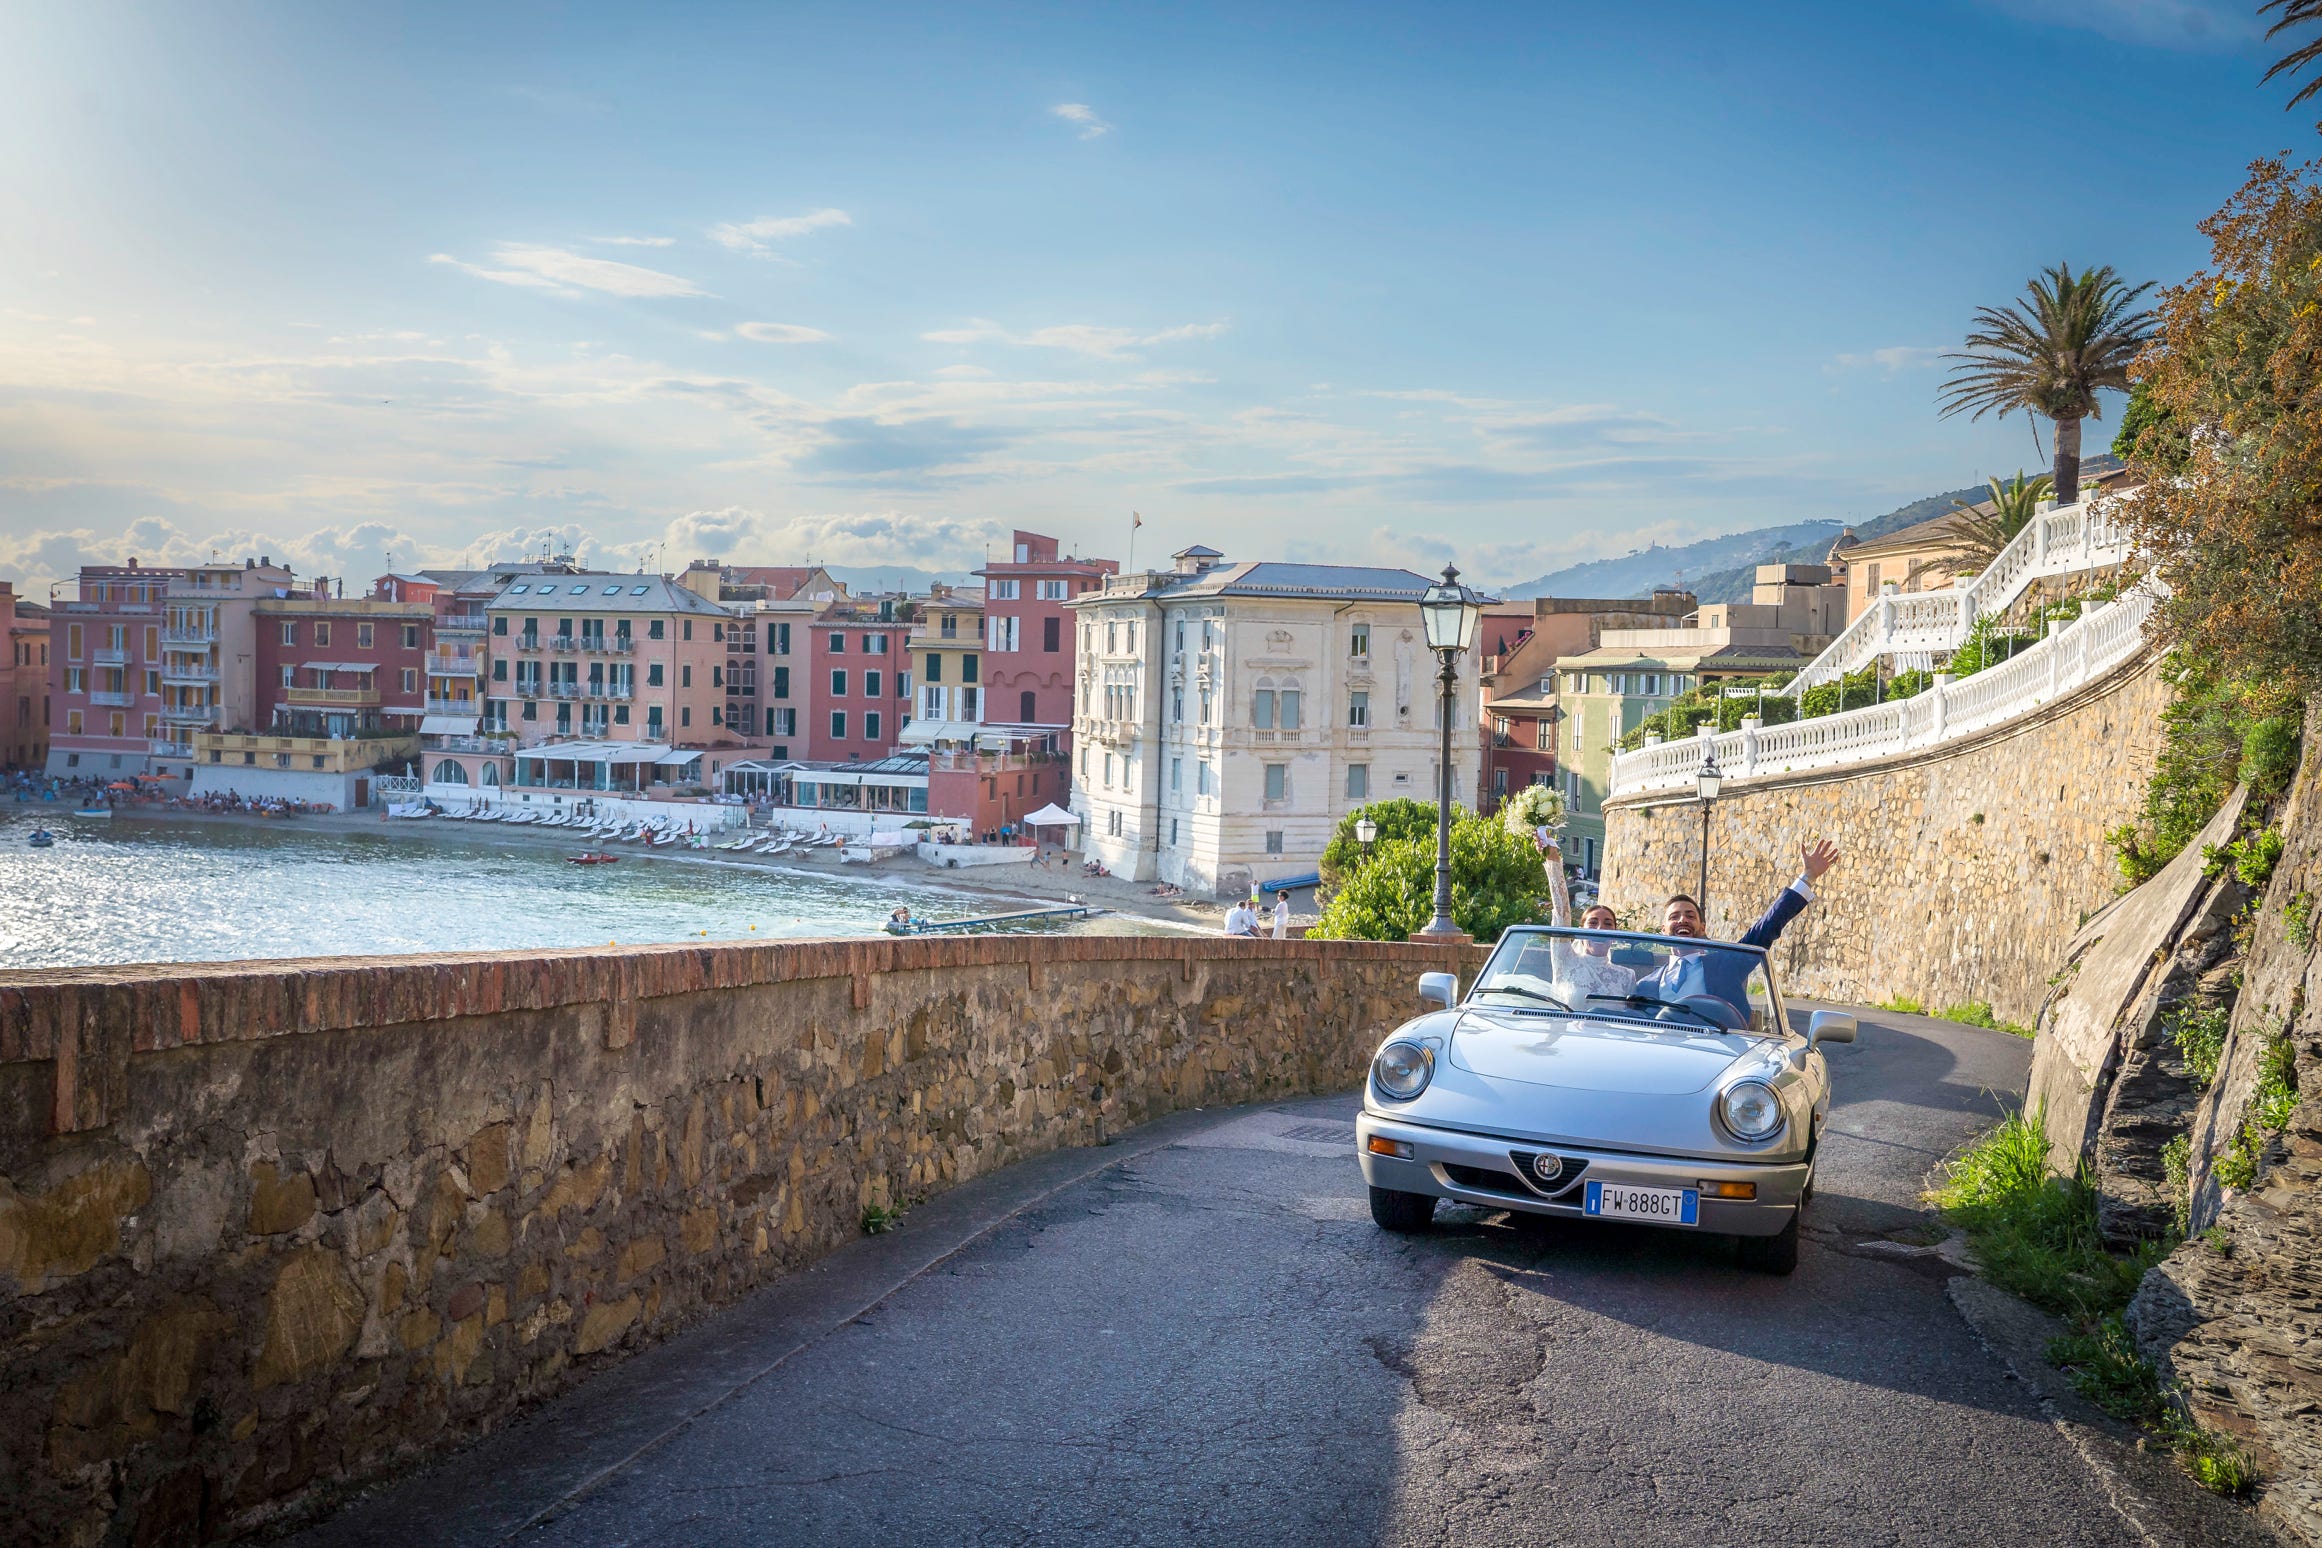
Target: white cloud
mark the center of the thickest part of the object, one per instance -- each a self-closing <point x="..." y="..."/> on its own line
<point x="756" y="236"/>
<point x="963" y="372"/>
<point x="780" y="333"/>
<point x="635" y="241"/>
<point x="869" y="537"/>
<point x="568" y="273"/>
<point x="1895" y="357"/>
<point x="1080" y="338"/>
<point x="1083" y="117"/>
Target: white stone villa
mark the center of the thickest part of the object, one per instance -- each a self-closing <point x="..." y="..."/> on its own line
<point x="1226" y="715"/>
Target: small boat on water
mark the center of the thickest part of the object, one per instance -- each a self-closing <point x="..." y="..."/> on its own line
<point x="93" y="811"/>
<point x="41" y="838"/>
<point x="592" y="857"/>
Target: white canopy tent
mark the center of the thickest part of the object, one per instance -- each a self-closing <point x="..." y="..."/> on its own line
<point x="1051" y="816"/>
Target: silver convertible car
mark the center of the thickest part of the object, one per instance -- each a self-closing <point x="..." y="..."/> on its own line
<point x="1605" y="1076"/>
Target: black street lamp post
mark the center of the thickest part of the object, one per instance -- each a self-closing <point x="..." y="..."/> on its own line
<point x="1705" y="782"/>
<point x="1449" y="611"/>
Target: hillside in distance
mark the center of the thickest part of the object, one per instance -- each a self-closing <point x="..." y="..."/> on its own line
<point x="1719" y="569"/>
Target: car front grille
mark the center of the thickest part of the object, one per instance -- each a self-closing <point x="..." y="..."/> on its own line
<point x="1525" y="1183"/>
<point x="1567" y="1179"/>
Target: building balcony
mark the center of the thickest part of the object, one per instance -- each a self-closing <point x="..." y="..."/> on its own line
<point x="107" y="655"/>
<point x="563" y="643"/>
<point x="192" y="639"/>
<point x="528" y="642"/>
<point x="181" y="673"/>
<point x="190" y="714"/>
<point x="491" y="742"/>
<point x="612" y="644"/>
<point x="611" y="691"/>
<point x="170" y="749"/>
<point x="107" y="696"/>
<point x="454" y="663"/>
<point x="460" y="623"/>
<point x="439" y="704"/>
<point x="332" y="698"/>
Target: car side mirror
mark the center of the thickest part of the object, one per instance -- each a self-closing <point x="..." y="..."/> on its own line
<point x="1830" y="1027"/>
<point x="1439" y="989"/>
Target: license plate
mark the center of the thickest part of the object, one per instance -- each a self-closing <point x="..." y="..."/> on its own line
<point x="1660" y="1206"/>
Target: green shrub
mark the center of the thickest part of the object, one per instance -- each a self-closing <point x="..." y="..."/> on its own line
<point x="878" y="1219"/>
<point x="2035" y="1233"/>
<point x="2204" y="730"/>
<point x="1496" y="881"/>
<point x="2199" y="1033"/>
<point x="2298" y="921"/>
<point x="2177" y="1169"/>
<point x="1903" y="1003"/>
<point x="1978" y="1013"/>
<point x="2269" y="756"/>
<point x="2104" y="1364"/>
<point x="1401" y="818"/>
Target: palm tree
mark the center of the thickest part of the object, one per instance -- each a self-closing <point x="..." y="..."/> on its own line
<point x="2295" y="13"/>
<point x="1983" y="533"/>
<point x="2051" y="353"/>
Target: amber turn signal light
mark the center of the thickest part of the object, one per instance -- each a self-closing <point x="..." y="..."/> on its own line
<point x="1382" y="1146"/>
<point x="1728" y="1190"/>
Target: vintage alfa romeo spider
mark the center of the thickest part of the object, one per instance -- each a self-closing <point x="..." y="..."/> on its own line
<point x="1605" y="1076"/>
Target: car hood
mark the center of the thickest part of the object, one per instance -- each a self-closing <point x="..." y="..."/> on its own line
<point x="1578" y="1053"/>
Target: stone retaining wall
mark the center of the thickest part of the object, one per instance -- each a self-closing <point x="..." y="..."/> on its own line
<point x="1965" y="872"/>
<point x="267" y="1229"/>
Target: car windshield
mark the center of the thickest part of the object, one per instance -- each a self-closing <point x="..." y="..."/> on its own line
<point x="1664" y="979"/>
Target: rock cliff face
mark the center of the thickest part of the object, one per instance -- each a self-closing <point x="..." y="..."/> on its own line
<point x="2235" y="1314"/>
<point x="1966" y="871"/>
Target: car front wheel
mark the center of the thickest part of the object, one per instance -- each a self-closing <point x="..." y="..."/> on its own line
<point x="1776" y="1254"/>
<point x="1395" y="1210"/>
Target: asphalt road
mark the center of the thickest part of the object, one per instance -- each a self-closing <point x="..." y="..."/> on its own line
<point x="1198" y="1337"/>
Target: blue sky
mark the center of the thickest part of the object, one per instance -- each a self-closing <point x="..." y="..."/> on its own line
<point x="1517" y="285"/>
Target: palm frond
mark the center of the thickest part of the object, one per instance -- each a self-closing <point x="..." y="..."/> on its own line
<point x="2295" y="13"/>
<point x="2068" y="338"/>
<point x="1983" y="533"/>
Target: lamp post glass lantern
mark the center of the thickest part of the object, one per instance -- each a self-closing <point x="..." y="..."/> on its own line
<point x="1706" y="780"/>
<point x="1450" y="612"/>
<point x="1365" y="831"/>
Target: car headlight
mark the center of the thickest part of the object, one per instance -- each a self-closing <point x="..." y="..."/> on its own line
<point x="1402" y="1070"/>
<point x="1750" y="1110"/>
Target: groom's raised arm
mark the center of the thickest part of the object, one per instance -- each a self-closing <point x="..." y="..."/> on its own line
<point x="1791" y="901"/>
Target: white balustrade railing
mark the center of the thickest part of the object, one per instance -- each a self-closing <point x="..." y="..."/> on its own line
<point x="2105" y="635"/>
<point x="394" y="785"/>
<point x="2070" y="540"/>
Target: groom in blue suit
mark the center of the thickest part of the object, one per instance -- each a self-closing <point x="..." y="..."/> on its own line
<point x="1722" y="975"/>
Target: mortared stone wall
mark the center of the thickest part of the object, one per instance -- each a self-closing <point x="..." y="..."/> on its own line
<point x="269" y="1229"/>
<point x="1965" y="871"/>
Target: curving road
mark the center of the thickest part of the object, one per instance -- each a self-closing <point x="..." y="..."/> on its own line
<point x="1196" y="1336"/>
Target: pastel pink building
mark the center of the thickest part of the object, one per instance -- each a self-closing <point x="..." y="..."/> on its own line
<point x="1028" y="639"/>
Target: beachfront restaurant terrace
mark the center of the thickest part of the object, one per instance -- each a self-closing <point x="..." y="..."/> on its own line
<point x="613" y="767"/>
<point x="892" y="784"/>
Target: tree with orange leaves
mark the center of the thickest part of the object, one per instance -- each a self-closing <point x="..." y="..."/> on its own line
<point x="2230" y="440"/>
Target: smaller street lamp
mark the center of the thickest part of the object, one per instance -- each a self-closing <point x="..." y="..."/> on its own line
<point x="1365" y="831"/>
<point x="1450" y="612"/>
<point x="1706" y="779"/>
